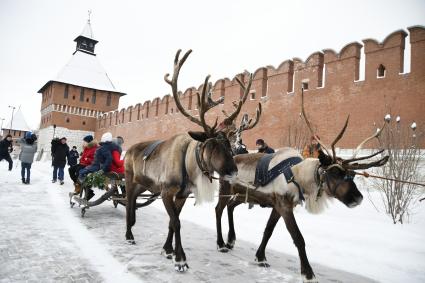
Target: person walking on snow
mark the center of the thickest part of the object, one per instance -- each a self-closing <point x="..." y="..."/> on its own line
<point x="28" y="150"/>
<point x="60" y="153"/>
<point x="5" y="150"/>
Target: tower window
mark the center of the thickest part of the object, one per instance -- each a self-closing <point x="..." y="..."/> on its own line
<point x="87" y="99"/>
<point x="381" y="71"/>
<point x="84" y="122"/>
<point x="73" y="97"/>
<point x="65" y="94"/>
<point x="108" y="99"/>
<point x="82" y="94"/>
<point x="93" y="98"/>
<point x="67" y="120"/>
<point x="304" y="85"/>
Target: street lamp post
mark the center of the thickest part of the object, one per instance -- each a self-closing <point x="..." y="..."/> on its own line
<point x="11" y="120"/>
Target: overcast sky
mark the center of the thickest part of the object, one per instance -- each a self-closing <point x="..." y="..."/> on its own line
<point x="138" y="39"/>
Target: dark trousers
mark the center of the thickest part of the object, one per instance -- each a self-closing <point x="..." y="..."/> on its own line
<point x="8" y="159"/>
<point x="58" y="173"/>
<point x="27" y="167"/>
<point x="74" y="171"/>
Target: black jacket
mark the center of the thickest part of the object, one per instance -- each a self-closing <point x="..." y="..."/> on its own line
<point x="60" y="152"/>
<point x="266" y="149"/>
<point x="5" y="147"/>
<point x="73" y="157"/>
<point x="241" y="149"/>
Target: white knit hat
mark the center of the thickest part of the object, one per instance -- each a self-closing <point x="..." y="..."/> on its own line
<point x="106" y="137"/>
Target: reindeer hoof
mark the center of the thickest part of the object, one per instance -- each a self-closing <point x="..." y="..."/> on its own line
<point x="230" y="245"/>
<point x="312" y="280"/>
<point x="131" y="242"/>
<point x="181" y="267"/>
<point x="167" y="255"/>
<point x="222" y="249"/>
<point x="262" y="263"/>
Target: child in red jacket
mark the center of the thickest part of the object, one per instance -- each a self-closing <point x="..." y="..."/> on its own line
<point x="89" y="148"/>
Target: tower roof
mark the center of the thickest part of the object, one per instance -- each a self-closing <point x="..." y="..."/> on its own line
<point x="19" y="123"/>
<point x="84" y="70"/>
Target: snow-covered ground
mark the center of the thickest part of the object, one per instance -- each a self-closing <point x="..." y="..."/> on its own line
<point x="44" y="240"/>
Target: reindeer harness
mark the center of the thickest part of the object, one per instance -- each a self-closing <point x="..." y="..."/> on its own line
<point x="264" y="176"/>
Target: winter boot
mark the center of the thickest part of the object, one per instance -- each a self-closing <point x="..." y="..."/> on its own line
<point x="77" y="188"/>
<point x="62" y="182"/>
<point x="23" y="181"/>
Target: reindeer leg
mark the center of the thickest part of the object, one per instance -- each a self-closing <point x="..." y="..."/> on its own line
<point x="260" y="255"/>
<point x="168" y="194"/>
<point x="297" y="237"/>
<point x="133" y="190"/>
<point x="231" y="236"/>
<point x="221" y="204"/>
<point x="168" y="246"/>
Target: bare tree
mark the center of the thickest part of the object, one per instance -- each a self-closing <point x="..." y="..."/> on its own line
<point x="402" y="143"/>
<point x="297" y="134"/>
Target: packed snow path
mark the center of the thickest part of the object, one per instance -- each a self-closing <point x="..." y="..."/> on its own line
<point x="44" y="240"/>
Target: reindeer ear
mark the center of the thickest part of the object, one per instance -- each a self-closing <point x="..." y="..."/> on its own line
<point x="324" y="159"/>
<point x="198" y="136"/>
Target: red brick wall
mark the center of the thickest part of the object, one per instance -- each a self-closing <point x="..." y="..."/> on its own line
<point x="328" y="101"/>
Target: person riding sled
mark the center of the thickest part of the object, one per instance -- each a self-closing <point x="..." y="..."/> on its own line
<point x="102" y="160"/>
<point x="87" y="157"/>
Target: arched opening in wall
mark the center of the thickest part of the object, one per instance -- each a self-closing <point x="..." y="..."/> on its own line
<point x="407" y="56"/>
<point x="93" y="98"/>
<point x="65" y="93"/>
<point x="189" y="107"/>
<point x="82" y="94"/>
<point x="380" y="72"/>
<point x="130" y="114"/>
<point x="252" y="95"/>
<point x="323" y="77"/>
<point x="108" y="99"/>
<point x="166" y="107"/>
<point x="84" y="122"/>
<point x="122" y="117"/>
<point x="157" y="108"/>
<point x="110" y="120"/>
<point x="138" y="113"/>
<point x="87" y="99"/>
<point x="304" y="84"/>
<point x="67" y="120"/>
<point x="362" y="66"/>
<point x="116" y="119"/>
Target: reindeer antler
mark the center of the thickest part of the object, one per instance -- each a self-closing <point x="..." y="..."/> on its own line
<point x="242" y="100"/>
<point x="205" y="102"/>
<point x="309" y="125"/>
<point x="246" y="123"/>
<point x="360" y="146"/>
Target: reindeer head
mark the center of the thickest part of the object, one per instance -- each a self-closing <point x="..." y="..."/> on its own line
<point x="229" y="127"/>
<point x="214" y="151"/>
<point x="336" y="175"/>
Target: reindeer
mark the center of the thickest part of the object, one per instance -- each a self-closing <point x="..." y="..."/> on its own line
<point x="180" y="165"/>
<point x="314" y="180"/>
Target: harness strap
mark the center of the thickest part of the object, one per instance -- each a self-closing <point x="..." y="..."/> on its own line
<point x="200" y="161"/>
<point x="148" y="151"/>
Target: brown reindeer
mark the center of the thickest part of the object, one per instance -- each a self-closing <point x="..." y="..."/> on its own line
<point x="179" y="165"/>
<point x="315" y="180"/>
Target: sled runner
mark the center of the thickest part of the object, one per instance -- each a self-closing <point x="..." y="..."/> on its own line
<point x="114" y="186"/>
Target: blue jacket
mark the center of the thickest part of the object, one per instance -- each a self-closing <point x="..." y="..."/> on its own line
<point x="103" y="155"/>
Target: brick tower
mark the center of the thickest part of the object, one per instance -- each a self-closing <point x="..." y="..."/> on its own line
<point x="81" y="92"/>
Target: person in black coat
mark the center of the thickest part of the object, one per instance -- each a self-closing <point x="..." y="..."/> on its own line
<point x="263" y="147"/>
<point x="60" y="153"/>
<point x="73" y="156"/>
<point x="5" y="150"/>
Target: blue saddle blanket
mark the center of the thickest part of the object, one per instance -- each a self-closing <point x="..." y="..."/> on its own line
<point x="264" y="176"/>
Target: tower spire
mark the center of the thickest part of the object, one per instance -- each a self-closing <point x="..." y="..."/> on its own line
<point x="85" y="41"/>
